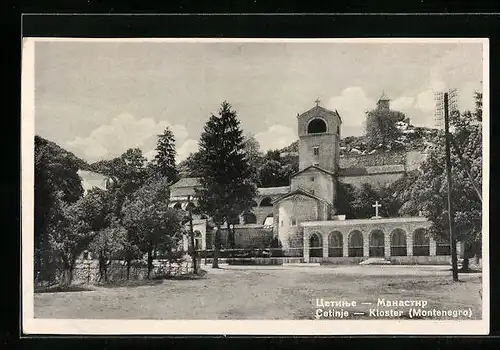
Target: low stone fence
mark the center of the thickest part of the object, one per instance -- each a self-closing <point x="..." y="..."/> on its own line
<point x="87" y="271"/>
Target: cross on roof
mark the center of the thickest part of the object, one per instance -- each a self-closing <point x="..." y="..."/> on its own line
<point x="376" y="206"/>
<point x="317" y="101"/>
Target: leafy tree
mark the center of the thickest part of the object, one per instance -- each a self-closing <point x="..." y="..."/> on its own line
<point x="364" y="198"/>
<point x="253" y="155"/>
<point x="154" y="224"/>
<point x="164" y="161"/>
<point x="190" y="167"/>
<point x="56" y="170"/>
<point x="381" y="130"/>
<point x="109" y="243"/>
<point x="127" y="174"/>
<point x="276" y="169"/>
<point x="70" y="231"/>
<point x="226" y="181"/>
<point x="270" y="174"/>
<point x="429" y="192"/>
<point x="131" y="170"/>
<point x="478" y="99"/>
<point x="345" y="198"/>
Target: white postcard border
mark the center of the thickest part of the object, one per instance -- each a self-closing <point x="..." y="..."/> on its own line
<point x="30" y="325"/>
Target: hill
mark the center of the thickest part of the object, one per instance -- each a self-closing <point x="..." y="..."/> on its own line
<point x="411" y="138"/>
<point x="61" y="152"/>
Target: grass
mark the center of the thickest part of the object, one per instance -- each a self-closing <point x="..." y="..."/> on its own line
<point x="262" y="292"/>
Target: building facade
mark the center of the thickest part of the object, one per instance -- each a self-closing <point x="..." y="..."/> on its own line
<point x="304" y="217"/>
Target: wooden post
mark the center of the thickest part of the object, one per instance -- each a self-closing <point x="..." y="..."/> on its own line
<point x="454" y="264"/>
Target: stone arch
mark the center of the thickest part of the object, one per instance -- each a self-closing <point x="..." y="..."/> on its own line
<point x="316" y="126"/>
<point x="315" y="245"/>
<point x="335" y="244"/>
<point x="178" y="205"/>
<point x="270" y="215"/>
<point x="249" y="218"/>
<point x="355" y="243"/>
<point x="266" y="202"/>
<point x="398" y="242"/>
<point x="421" y="245"/>
<point x="377" y="244"/>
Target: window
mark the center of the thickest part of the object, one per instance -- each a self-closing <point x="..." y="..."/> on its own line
<point x="294" y="222"/>
<point x="312" y="178"/>
<point x="316" y="164"/>
<point x="281" y="222"/>
<point x="338" y="130"/>
<point x="312" y="191"/>
<point x="316" y="151"/>
<point x="316" y="126"/>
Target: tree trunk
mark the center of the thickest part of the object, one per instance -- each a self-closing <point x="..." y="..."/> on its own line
<point x="216" y="248"/>
<point x="129" y="261"/>
<point x="102" y="264"/>
<point x="105" y="271"/>
<point x="67" y="276"/>
<point x="150" y="262"/>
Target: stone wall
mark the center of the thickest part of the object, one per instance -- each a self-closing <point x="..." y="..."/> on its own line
<point x="378" y="169"/>
<point x="327" y="157"/>
<point x="317" y="182"/>
<point x="410" y="160"/>
<point x="387" y="226"/>
<point x="87" y="271"/>
<point x="376" y="159"/>
<point x="249" y="236"/>
<point x="375" y="180"/>
<point x="261" y="213"/>
<point x="395" y="260"/>
<point x="301" y="209"/>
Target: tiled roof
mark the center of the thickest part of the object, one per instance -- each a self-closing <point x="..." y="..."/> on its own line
<point x="313" y="167"/>
<point x="301" y="192"/>
<point x="272" y="191"/>
<point x="187" y="182"/>
<point x="185" y="187"/>
<point x="319" y="109"/>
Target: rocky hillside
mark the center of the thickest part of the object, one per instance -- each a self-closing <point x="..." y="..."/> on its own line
<point x="411" y="138"/>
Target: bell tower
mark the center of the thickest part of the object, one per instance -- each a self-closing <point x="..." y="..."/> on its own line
<point x="319" y="136"/>
<point x="383" y="102"/>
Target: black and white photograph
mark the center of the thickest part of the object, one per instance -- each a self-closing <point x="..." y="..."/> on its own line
<point x="255" y="186"/>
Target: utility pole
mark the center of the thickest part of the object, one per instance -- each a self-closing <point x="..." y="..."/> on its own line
<point x="191" y="235"/>
<point x="454" y="265"/>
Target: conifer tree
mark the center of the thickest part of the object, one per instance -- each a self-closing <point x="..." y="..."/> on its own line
<point x="227" y="186"/>
<point x="164" y="160"/>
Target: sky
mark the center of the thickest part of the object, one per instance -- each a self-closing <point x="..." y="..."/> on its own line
<point x="97" y="99"/>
